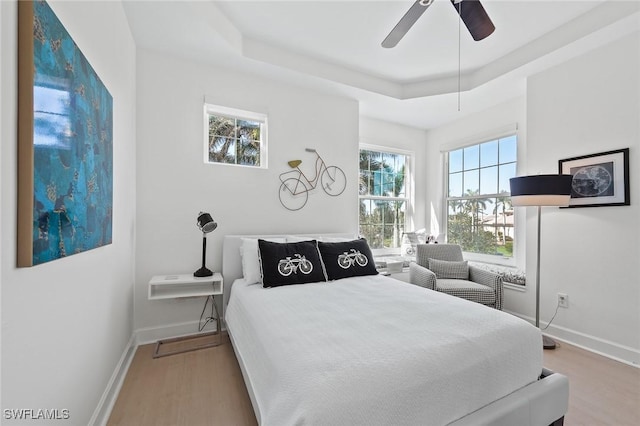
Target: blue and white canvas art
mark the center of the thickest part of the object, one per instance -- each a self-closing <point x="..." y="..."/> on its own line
<point x="72" y="146"/>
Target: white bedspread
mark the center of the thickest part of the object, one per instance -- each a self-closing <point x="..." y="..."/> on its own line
<point x="375" y="351"/>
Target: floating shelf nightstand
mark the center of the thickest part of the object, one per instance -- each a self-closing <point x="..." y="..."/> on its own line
<point x="186" y="285"/>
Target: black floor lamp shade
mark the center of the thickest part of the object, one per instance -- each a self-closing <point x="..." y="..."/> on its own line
<point x="206" y="224"/>
<point x="541" y="190"/>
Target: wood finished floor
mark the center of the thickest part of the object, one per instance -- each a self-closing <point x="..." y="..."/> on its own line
<point x="205" y="387"/>
<point x="601" y="391"/>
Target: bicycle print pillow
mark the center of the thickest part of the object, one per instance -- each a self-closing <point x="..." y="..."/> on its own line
<point x="290" y="263"/>
<point x="347" y="259"/>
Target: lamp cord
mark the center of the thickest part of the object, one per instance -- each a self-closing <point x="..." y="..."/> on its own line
<point x="210" y="318"/>
<point x="554" y="315"/>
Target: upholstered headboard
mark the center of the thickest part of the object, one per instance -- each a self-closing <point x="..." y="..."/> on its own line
<point x="232" y="262"/>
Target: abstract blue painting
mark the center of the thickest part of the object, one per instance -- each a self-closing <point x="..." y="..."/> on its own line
<point x="71" y="127"/>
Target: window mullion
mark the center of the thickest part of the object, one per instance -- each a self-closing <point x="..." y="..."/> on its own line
<point x="255" y="155"/>
<point x="480" y="196"/>
<point x="384" y="214"/>
<point x="382" y="198"/>
<point x="476" y="222"/>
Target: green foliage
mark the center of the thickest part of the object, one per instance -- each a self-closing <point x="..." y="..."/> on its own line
<point x="463" y="231"/>
<point x="382" y="175"/>
<point x="465" y="227"/>
<point x="234" y="141"/>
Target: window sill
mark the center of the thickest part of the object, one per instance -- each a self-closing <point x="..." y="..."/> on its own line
<point x="381" y="260"/>
<point x="488" y="259"/>
<point x="510" y="275"/>
<point x="515" y="287"/>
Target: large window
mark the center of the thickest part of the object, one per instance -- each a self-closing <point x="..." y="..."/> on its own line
<point x="235" y="137"/>
<point x="479" y="211"/>
<point x="384" y="196"/>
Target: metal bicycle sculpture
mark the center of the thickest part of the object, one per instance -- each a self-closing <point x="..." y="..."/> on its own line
<point x="295" y="188"/>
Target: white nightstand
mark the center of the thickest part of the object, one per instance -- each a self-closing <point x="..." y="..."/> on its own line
<point x="186" y="285"/>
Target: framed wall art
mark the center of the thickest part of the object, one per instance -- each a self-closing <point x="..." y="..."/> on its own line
<point x="598" y="179"/>
<point x="65" y="143"/>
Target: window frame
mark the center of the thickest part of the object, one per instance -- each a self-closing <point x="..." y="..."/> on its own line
<point x="509" y="131"/>
<point x="409" y="197"/>
<point x="236" y="114"/>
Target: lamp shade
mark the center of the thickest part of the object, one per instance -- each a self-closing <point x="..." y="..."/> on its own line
<point x="206" y="222"/>
<point x="541" y="190"/>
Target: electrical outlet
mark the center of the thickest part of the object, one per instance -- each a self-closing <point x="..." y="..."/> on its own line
<point x="563" y="300"/>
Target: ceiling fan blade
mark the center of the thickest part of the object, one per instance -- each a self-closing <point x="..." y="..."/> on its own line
<point x="406" y="22"/>
<point x="475" y="18"/>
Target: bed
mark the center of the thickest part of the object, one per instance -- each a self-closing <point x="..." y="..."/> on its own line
<point x="371" y="350"/>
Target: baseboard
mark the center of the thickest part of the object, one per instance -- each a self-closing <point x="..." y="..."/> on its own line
<point x="606" y="348"/>
<point x="153" y="334"/>
<point x="107" y="401"/>
<point x="142" y="336"/>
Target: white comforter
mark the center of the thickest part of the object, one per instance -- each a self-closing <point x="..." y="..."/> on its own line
<point x="375" y="351"/>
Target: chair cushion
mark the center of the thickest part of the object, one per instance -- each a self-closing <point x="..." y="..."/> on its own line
<point x="467" y="290"/>
<point x="448" y="269"/>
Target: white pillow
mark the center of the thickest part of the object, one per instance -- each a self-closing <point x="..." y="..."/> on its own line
<point x="300" y="238"/>
<point x="336" y="239"/>
<point x="250" y="262"/>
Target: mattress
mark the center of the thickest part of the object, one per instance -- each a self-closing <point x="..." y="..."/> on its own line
<point x="375" y="351"/>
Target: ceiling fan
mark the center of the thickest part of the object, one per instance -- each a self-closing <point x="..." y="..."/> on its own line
<point x="471" y="12"/>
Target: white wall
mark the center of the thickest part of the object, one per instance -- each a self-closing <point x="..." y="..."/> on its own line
<point x="474" y="128"/>
<point x="587" y="105"/>
<point x="382" y="133"/>
<point x="174" y="184"/>
<point x="66" y="323"/>
<point x="2" y="35"/>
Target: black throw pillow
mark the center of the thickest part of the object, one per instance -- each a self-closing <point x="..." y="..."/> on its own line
<point x="290" y="263"/>
<point x="347" y="259"/>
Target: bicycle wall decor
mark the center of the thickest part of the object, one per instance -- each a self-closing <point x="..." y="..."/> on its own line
<point x="295" y="187"/>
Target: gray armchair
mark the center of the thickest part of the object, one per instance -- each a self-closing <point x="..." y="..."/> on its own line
<point x="453" y="277"/>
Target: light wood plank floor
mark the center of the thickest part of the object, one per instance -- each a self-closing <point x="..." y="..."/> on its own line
<point x="205" y="387"/>
<point x="198" y="388"/>
<point x="601" y="391"/>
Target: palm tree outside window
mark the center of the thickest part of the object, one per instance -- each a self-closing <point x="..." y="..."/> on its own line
<point x="384" y="196"/>
<point x="235" y="137"/>
<point x="479" y="211"/>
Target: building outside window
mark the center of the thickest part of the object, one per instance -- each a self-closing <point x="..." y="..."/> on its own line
<point x="384" y="196"/>
<point x="235" y="137"/>
<point x="479" y="210"/>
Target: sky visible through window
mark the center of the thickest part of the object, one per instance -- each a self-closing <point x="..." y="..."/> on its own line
<point x="383" y="197"/>
<point x="480" y="215"/>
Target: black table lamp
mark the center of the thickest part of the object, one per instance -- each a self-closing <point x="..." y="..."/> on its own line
<point x="206" y="224"/>
<point x="541" y="190"/>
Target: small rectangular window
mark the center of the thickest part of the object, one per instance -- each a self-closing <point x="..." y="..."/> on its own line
<point x="235" y="137"/>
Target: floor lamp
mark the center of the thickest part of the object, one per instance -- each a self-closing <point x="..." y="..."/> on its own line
<point x="541" y="190"/>
<point x="206" y="224"/>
